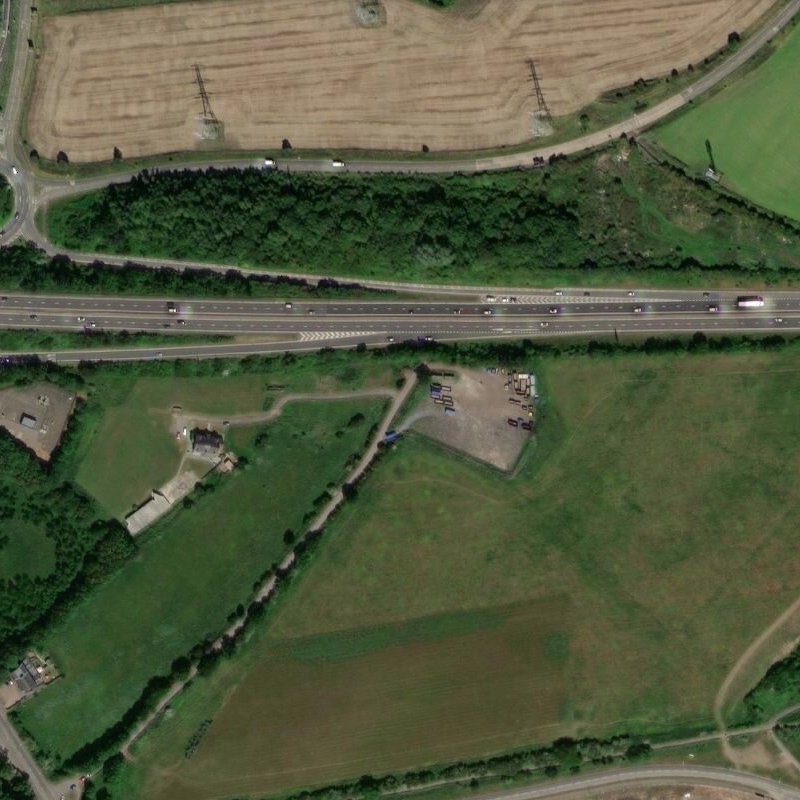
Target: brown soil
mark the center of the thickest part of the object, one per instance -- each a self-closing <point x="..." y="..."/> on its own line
<point x="310" y="72"/>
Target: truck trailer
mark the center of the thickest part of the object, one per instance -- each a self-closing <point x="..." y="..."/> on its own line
<point x="749" y="301"/>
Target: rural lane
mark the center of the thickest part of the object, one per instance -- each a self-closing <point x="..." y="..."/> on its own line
<point x="20" y="757"/>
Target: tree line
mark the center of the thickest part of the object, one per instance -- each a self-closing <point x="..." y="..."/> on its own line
<point x="25" y="268"/>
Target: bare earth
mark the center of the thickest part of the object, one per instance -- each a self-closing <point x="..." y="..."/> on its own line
<point x="479" y="426"/>
<point x="310" y="73"/>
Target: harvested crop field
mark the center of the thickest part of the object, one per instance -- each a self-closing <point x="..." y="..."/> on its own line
<point x="468" y="680"/>
<point x="311" y="73"/>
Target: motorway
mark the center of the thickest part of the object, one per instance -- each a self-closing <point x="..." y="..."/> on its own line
<point x="309" y="325"/>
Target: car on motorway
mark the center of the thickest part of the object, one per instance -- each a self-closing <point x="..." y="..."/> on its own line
<point x="779" y="319"/>
<point x="544" y="323"/>
<point x="172" y="308"/>
<point x="487" y="312"/>
<point x="713" y="308"/>
<point x="559" y="292"/>
<point x="81" y="319"/>
<point x="288" y="306"/>
<point x="457" y="310"/>
<point x="390" y="338"/>
<point x="181" y="322"/>
<point x="33" y="316"/>
<point x="631" y="294"/>
<point x="92" y="324"/>
<point x="16" y="215"/>
<point x="14" y="171"/>
<point x="637" y="309"/>
<point x="553" y="310"/>
<point x="490" y="298"/>
<point x="311" y="312"/>
<point x="269" y="163"/>
<point x="337" y="163"/>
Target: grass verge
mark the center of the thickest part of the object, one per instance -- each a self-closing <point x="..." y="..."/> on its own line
<point x="15" y="341"/>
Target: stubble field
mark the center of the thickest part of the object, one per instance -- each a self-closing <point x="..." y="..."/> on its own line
<point x="312" y="74"/>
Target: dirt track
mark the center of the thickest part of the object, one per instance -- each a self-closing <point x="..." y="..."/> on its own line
<point x="274" y="70"/>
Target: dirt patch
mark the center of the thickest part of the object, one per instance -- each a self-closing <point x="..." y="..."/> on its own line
<point x="476" y="422"/>
<point x="315" y="74"/>
<point x="36" y="415"/>
<point x="370" y="13"/>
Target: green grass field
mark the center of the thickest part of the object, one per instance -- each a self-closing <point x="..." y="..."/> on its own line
<point x="134" y="435"/>
<point x="191" y="572"/>
<point x="650" y="525"/>
<point x="130" y="452"/>
<point x="751" y="126"/>
<point x="27" y="552"/>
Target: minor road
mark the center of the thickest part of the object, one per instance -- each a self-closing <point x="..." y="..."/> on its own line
<point x="630" y="777"/>
<point x="21" y="758"/>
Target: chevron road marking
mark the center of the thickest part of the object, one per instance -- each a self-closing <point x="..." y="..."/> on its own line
<point x="321" y="336"/>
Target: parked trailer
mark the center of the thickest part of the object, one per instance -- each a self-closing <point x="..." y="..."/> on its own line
<point x="449" y="411"/>
<point x="438" y="401"/>
<point x="512" y="422"/>
<point x="391" y="437"/>
<point x="750" y="301"/>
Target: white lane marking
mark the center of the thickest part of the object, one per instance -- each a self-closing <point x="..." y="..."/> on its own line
<point x="319" y="336"/>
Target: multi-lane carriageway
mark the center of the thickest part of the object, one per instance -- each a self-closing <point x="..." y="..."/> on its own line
<point x="570" y="311"/>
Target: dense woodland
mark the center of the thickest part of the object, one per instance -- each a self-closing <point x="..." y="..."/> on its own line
<point x="594" y="215"/>
<point x="778" y="690"/>
<point x="86" y="548"/>
<point x="13" y="784"/>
